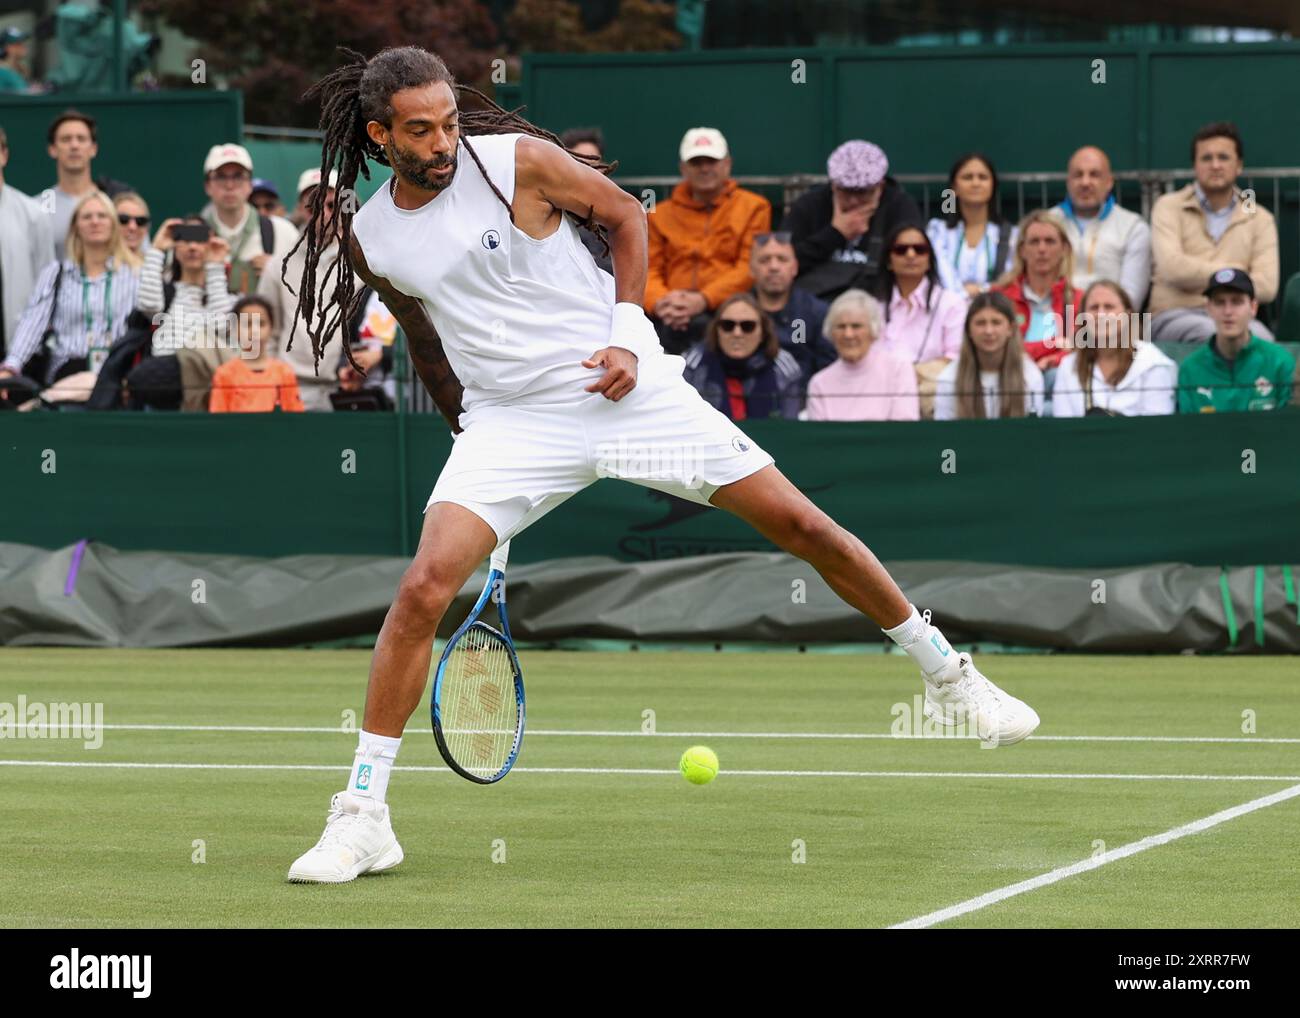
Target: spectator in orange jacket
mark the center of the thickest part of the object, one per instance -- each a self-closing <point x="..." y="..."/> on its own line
<point x="699" y="241"/>
<point x="1039" y="286"/>
<point x="254" y="382"/>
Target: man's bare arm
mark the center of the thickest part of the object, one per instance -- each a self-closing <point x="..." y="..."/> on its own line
<point x="554" y="176"/>
<point x="422" y="340"/>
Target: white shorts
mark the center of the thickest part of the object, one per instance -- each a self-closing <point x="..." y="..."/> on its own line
<point x="511" y="465"/>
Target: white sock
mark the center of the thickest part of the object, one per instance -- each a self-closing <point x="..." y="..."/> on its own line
<point x="373" y="765"/>
<point x="925" y="644"/>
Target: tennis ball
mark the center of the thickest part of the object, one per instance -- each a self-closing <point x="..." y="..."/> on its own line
<point x="699" y="765"/>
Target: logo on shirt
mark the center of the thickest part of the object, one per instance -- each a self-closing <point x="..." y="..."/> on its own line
<point x="491" y="240"/>
<point x="739" y="444"/>
<point x="1263" y="386"/>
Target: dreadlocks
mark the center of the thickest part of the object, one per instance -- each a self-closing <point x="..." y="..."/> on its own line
<point x="351" y="96"/>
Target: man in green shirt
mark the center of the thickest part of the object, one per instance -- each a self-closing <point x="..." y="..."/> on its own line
<point x="1234" y="370"/>
<point x="13" y="48"/>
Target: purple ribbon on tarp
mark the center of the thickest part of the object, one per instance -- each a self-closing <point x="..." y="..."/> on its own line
<point x="75" y="565"/>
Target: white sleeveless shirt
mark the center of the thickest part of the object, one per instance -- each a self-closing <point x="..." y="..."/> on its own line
<point x="516" y="315"/>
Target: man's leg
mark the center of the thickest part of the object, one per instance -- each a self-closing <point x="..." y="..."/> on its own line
<point x="359" y="836"/>
<point x="956" y="692"/>
<point x="453" y="543"/>
<point x="768" y="502"/>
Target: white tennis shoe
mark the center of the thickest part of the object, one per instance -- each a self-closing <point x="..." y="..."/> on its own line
<point x="966" y="698"/>
<point x="358" y="839"/>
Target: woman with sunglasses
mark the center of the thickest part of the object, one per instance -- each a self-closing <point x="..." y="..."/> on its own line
<point x="739" y="366"/>
<point x="973" y="242"/>
<point x="133" y="217"/>
<point x="923" y="321"/>
<point x="867" y="382"/>
<point x="993" y="376"/>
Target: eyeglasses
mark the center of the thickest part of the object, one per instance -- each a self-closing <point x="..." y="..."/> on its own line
<point x="124" y="219"/>
<point x="780" y="236"/>
<point x="907" y="249"/>
<point x="731" y="325"/>
<point x="230" y="178"/>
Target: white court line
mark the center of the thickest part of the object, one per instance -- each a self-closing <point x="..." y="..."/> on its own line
<point x="1084" y="865"/>
<point x="674" y="771"/>
<point x="636" y="733"/>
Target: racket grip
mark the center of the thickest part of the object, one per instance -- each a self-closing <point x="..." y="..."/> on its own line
<point x="498" y="559"/>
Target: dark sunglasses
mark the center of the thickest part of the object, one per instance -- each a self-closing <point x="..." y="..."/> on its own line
<point x="731" y="325"/>
<point x="123" y="218"/>
<point x="906" y="249"/>
<point x="780" y="236"/>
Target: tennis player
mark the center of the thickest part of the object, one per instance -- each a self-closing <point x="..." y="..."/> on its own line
<point x="550" y="375"/>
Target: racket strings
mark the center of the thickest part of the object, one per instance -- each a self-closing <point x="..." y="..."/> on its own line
<point x="479" y="708"/>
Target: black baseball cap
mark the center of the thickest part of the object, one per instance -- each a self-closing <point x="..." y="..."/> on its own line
<point x="1230" y="279"/>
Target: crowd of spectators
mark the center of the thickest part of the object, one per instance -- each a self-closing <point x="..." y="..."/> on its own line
<point x="101" y="308"/>
<point x="886" y="316"/>
<point x="854" y="308"/>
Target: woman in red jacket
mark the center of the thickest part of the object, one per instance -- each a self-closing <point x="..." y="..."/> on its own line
<point x="1039" y="288"/>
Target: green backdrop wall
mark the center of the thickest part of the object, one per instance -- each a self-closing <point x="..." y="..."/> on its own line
<point x="1068" y="493"/>
<point x="1029" y="107"/>
<point x="155" y="141"/>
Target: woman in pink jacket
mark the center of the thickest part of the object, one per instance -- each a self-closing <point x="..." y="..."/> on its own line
<point x="867" y="382"/>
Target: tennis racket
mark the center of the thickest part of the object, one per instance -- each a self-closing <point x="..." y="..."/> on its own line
<point x="478" y="690"/>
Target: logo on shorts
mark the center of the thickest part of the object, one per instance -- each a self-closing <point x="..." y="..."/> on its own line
<point x="739" y="444"/>
<point x="491" y="240"/>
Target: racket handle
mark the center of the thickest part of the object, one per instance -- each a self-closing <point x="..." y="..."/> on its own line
<point x="498" y="559"/>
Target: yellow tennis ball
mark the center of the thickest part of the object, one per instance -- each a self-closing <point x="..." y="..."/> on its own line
<point x="699" y="765"/>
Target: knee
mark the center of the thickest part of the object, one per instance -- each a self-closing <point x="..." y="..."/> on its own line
<point x="810" y="533"/>
<point x="423" y="596"/>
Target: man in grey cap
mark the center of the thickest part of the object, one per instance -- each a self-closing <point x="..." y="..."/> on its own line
<point x="839" y="228"/>
<point x="13" y="51"/>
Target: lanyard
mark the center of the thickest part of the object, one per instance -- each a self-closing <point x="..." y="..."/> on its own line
<point x="108" y="296"/>
<point x="961" y="246"/>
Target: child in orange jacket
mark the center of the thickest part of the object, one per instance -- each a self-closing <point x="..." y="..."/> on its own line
<point x="255" y="382"/>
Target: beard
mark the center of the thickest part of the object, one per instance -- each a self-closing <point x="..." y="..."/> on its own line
<point x="418" y="171"/>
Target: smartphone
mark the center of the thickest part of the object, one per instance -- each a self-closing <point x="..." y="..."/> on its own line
<point x="196" y="233"/>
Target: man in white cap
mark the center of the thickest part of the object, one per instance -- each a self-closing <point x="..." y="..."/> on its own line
<point x="839" y="229"/>
<point x="307" y="181"/>
<point x="315" y="388"/>
<point x="700" y="238"/>
<point x="253" y="238"/>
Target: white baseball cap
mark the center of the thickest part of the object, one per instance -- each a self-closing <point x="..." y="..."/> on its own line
<point x="311" y="178"/>
<point x="703" y="141"/>
<point x="220" y="155"/>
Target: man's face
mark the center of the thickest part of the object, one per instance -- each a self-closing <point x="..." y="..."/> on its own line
<point x="774" y="267"/>
<point x="1232" y="312"/>
<point x="4" y="157"/>
<point x="73" y="148"/>
<point x="421" y="144"/>
<point x="705" y="174"/>
<point x="16" y="52"/>
<point x="588" y="148"/>
<point x="1089" y="180"/>
<point x="1042" y="249"/>
<point x="229" y="186"/>
<point x="266" y="203"/>
<point x="329" y="224"/>
<point x="850" y="198"/>
<point x="1217" y="165"/>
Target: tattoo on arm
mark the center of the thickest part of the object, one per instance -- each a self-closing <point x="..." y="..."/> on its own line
<point x="422" y="341"/>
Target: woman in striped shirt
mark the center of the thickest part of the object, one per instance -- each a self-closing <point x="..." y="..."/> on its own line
<point x="194" y="319"/>
<point x="82" y="302"/>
